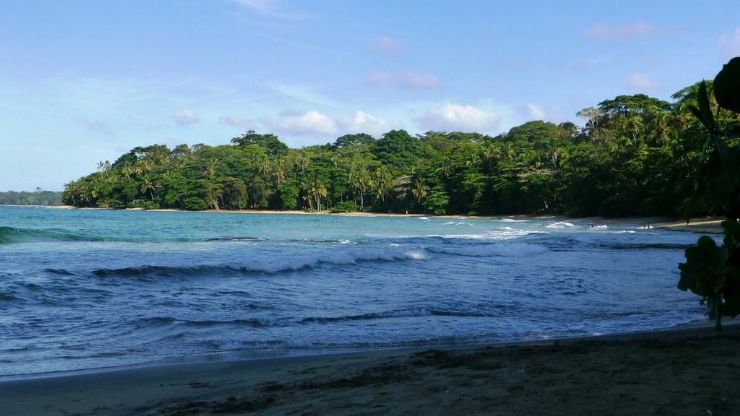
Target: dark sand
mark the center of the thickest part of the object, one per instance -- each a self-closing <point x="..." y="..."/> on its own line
<point x="690" y="371"/>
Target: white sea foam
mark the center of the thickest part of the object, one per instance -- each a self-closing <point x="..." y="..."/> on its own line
<point x="369" y="254"/>
<point x="336" y="257"/>
<point x="458" y="223"/>
<point x="560" y="224"/>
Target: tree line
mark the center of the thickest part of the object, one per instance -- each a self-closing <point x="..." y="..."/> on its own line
<point x="633" y="157"/>
<point x="37" y="197"/>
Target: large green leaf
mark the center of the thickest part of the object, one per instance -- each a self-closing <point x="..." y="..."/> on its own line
<point x="708" y="122"/>
<point x="732" y="234"/>
<point x="705" y="268"/>
<point x="705" y="109"/>
<point x="727" y="86"/>
<point x="731" y="304"/>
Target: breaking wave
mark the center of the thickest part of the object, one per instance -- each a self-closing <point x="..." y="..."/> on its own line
<point x="267" y="266"/>
<point x="560" y="224"/>
<point x="20" y="235"/>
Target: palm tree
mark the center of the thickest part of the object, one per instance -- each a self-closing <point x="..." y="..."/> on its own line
<point x="319" y="191"/>
<point x="278" y="171"/>
<point x="72" y="193"/>
<point x="634" y="125"/>
<point x="381" y="182"/>
<point x="210" y="170"/>
<point x="263" y="165"/>
<point x="148" y="186"/>
<point x="301" y="161"/>
<point x="315" y="190"/>
<point x="660" y="130"/>
<point x="359" y="180"/>
<point x="145" y="166"/>
<point x="419" y="191"/>
<point x="127" y="170"/>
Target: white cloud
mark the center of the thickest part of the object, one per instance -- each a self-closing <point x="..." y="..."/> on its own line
<point x="241" y="122"/>
<point x="271" y="8"/>
<point x="641" y="81"/>
<point x="417" y="81"/>
<point x="386" y="45"/>
<point x="185" y="118"/>
<point x="260" y="6"/>
<point x="314" y="123"/>
<point x="380" y="79"/>
<point x="621" y="32"/>
<point x="307" y="124"/>
<point x="363" y="122"/>
<point x="535" y="112"/>
<point x="455" y="117"/>
<point x="730" y="43"/>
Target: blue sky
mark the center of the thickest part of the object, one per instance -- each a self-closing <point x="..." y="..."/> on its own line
<point x="84" y="81"/>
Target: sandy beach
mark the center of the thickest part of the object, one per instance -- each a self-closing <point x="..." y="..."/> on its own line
<point x="689" y="371"/>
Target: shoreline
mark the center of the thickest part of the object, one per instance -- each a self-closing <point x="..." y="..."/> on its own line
<point x="696" y="224"/>
<point x="332" y="383"/>
<point x="238" y="356"/>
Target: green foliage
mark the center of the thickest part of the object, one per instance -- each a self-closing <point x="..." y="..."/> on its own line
<point x="345" y="206"/>
<point x="704" y="274"/>
<point x="349" y="140"/>
<point x="711" y="271"/>
<point x="269" y="142"/>
<point x="436" y="202"/>
<point x="37" y="197"/>
<point x="635" y="156"/>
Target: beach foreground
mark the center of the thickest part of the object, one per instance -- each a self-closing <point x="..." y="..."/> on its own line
<point x="680" y="372"/>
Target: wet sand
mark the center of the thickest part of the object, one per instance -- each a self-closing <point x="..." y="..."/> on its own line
<point x="690" y="371"/>
<point x="698" y="225"/>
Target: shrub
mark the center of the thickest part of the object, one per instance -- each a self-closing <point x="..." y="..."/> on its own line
<point x="345" y="206"/>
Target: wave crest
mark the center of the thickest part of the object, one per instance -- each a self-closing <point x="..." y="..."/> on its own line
<point x="268" y="266"/>
<point x="19" y="235"/>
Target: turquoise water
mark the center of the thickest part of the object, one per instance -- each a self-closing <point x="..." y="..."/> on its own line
<point x="82" y="289"/>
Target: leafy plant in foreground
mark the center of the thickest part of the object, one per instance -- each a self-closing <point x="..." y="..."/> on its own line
<point x="712" y="271"/>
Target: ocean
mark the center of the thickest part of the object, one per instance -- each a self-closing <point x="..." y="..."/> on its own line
<point x="89" y="289"/>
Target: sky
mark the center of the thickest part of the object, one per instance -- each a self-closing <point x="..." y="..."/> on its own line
<point x="85" y="81"/>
